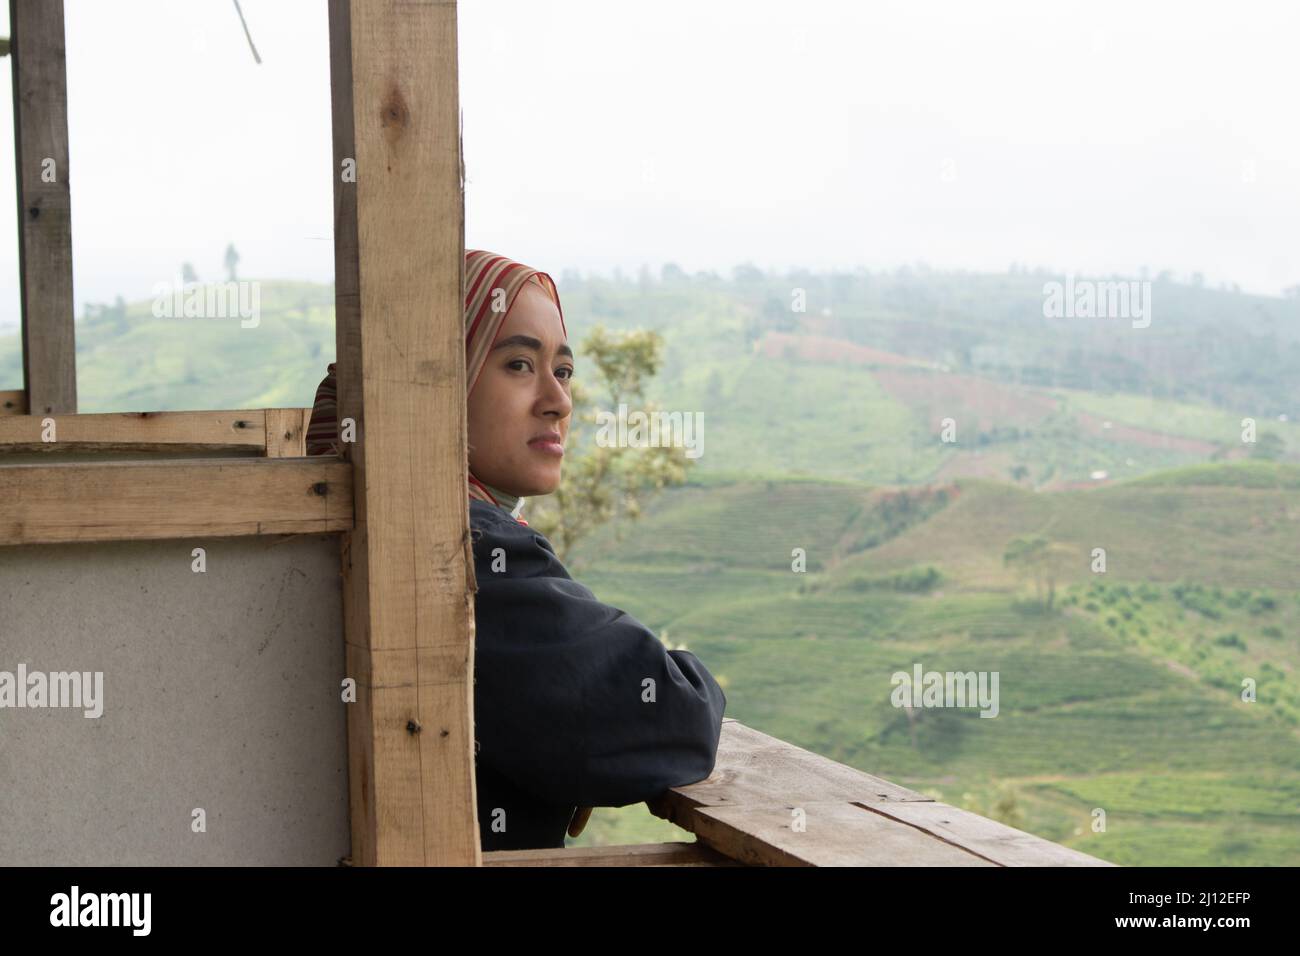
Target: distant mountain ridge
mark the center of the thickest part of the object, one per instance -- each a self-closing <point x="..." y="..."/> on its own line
<point x="856" y="386"/>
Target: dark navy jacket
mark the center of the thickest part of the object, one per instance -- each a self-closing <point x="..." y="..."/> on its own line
<point x="564" y="714"/>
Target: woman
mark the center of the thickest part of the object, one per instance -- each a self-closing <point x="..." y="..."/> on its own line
<point x="576" y="704"/>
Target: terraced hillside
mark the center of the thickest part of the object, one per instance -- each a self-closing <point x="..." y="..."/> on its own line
<point x="1123" y="695"/>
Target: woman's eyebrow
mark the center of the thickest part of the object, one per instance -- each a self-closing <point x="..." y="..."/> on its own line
<point x="529" y="342"/>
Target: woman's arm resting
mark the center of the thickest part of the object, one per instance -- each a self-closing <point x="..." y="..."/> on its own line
<point x="575" y="700"/>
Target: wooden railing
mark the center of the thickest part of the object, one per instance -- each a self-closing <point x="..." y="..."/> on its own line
<point x="270" y="490"/>
<point x="770" y="803"/>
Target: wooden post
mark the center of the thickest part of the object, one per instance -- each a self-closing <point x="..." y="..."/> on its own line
<point x="44" y="207"/>
<point x="408" y="563"/>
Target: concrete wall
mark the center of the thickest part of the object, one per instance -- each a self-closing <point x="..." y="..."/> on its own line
<point x="221" y="691"/>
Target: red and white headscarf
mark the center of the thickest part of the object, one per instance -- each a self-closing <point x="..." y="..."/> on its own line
<point x="491" y="284"/>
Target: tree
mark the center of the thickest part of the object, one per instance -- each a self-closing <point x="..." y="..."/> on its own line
<point x="713" y="389"/>
<point x="1022" y="555"/>
<point x="912" y="711"/>
<point x="779" y="315"/>
<point x="672" y="272"/>
<point x="188" y="275"/>
<point x="232" y="261"/>
<point x="1005" y="807"/>
<point x="115" y="314"/>
<point x="1043" y="561"/>
<point x="602" y="483"/>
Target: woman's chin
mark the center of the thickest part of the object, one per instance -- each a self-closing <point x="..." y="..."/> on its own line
<point x="542" y="485"/>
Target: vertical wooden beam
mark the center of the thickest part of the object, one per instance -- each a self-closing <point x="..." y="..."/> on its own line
<point x="286" y="432"/>
<point x="408" y="563"/>
<point x="44" y="206"/>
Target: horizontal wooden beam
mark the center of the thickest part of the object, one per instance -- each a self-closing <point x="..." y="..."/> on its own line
<point x="754" y="769"/>
<point x="994" y="841"/>
<point x="771" y="803"/>
<point x="640" y="854"/>
<point x="125" y="500"/>
<point x="823" y="834"/>
<point x="276" y="432"/>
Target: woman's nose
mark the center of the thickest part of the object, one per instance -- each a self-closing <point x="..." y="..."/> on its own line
<point x="556" y="397"/>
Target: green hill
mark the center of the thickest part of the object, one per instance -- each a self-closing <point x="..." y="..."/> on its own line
<point x="1133" y="675"/>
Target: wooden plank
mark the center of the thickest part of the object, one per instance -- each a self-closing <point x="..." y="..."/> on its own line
<point x="117" y="501"/>
<point x="147" y="431"/>
<point x="40" y="88"/>
<point x="833" y="834"/>
<point x="754" y="769"/>
<point x="992" y="840"/>
<point x="408" y="596"/>
<point x="640" y="854"/>
<point x="354" y="549"/>
<point x="286" y="432"/>
<point x="13" y="402"/>
<point x="745" y="808"/>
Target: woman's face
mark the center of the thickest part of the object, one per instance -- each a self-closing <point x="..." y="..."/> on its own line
<point x="523" y="393"/>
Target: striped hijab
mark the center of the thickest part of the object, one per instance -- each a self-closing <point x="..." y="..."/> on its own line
<point x="491" y="284"/>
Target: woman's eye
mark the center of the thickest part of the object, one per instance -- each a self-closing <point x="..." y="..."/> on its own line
<point x="568" y="372"/>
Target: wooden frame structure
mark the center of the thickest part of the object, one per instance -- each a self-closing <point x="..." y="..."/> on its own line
<point x="44" y="205"/>
<point x="397" y="496"/>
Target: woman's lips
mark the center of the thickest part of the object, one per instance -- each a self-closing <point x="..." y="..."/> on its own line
<point x="547" y="447"/>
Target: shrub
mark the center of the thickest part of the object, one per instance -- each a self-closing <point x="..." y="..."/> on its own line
<point x="1237" y="598"/>
<point x="1262" y="603"/>
<point x="910" y="581"/>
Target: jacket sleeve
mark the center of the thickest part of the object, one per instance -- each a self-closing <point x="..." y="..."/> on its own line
<point x="575" y="700"/>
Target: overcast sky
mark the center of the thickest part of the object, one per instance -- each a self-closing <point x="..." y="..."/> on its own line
<point x="1078" y="136"/>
